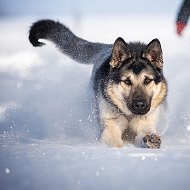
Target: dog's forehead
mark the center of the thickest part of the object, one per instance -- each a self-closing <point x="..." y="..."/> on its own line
<point x="134" y="77"/>
<point x="136" y="68"/>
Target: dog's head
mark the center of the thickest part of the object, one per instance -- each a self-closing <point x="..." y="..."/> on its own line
<point x="136" y="83"/>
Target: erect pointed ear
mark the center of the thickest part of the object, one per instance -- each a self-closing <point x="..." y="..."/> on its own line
<point x="120" y="52"/>
<point x="153" y="53"/>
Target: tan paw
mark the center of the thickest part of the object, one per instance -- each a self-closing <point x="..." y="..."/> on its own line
<point x="151" y="141"/>
<point x="112" y="140"/>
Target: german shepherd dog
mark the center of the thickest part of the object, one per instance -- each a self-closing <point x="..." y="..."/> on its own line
<point x="127" y="79"/>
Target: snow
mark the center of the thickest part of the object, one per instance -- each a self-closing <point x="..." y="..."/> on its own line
<point x="46" y="139"/>
<point x="7" y="170"/>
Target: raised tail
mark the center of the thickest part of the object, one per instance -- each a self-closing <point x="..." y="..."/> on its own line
<point x="71" y="45"/>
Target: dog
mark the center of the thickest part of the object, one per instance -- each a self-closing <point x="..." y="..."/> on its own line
<point x="129" y="87"/>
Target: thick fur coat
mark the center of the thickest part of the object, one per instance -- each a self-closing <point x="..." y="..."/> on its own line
<point x="127" y="79"/>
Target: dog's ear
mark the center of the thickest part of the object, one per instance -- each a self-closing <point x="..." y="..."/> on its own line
<point x="153" y="53"/>
<point x="120" y="52"/>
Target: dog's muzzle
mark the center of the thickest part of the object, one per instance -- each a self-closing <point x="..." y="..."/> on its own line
<point x="138" y="102"/>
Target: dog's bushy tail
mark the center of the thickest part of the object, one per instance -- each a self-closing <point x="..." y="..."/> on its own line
<point x="71" y="45"/>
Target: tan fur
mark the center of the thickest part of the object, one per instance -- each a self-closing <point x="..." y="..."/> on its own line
<point x="114" y="124"/>
<point x="115" y="63"/>
<point x="159" y="95"/>
<point x="144" y="125"/>
<point x="115" y="92"/>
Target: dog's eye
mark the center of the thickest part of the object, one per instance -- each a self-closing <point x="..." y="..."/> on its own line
<point x="128" y="82"/>
<point x="147" y="81"/>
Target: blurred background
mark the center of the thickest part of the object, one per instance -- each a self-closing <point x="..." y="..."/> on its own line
<point x="85" y="8"/>
<point x="78" y="10"/>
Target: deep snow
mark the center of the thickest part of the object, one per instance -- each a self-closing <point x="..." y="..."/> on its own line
<point x="46" y="138"/>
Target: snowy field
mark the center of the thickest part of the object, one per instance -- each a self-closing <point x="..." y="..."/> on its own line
<point x="46" y="140"/>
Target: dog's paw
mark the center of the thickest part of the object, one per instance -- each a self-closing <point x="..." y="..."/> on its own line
<point x="118" y="143"/>
<point x="151" y="141"/>
<point x="112" y="140"/>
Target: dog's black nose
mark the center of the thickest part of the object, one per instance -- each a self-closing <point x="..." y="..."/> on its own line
<point x="140" y="106"/>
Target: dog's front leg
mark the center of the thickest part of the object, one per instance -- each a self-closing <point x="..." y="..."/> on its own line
<point x="145" y="128"/>
<point x="113" y="130"/>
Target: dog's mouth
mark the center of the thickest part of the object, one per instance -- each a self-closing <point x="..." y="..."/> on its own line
<point x="144" y="112"/>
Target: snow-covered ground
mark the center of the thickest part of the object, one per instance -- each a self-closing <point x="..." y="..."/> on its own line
<point x="46" y="141"/>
